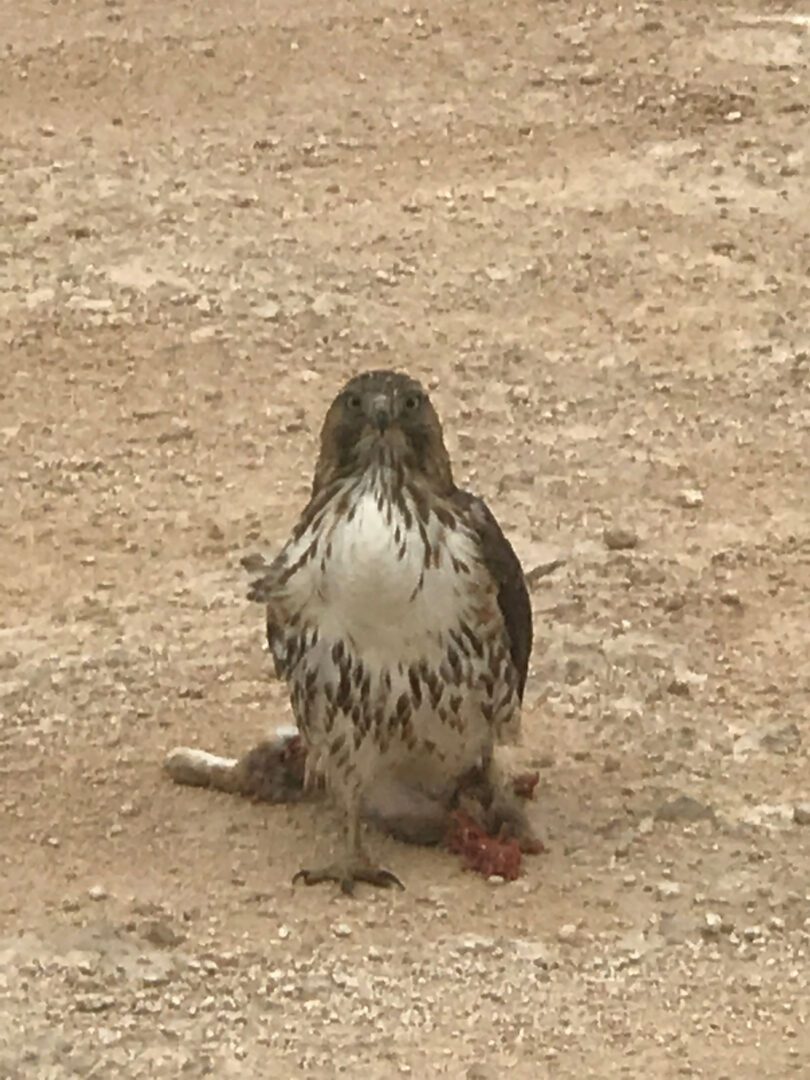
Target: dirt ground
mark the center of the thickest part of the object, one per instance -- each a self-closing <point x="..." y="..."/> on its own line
<point x="585" y="226"/>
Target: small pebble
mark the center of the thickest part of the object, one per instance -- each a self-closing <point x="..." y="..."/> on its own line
<point x="684" y="808"/>
<point x="679" y="687"/>
<point x="567" y="934"/>
<point x="690" y="498"/>
<point x="713" y="923"/>
<point x="618" y="539"/>
<point x="731" y="598"/>
<point x="667" y="890"/>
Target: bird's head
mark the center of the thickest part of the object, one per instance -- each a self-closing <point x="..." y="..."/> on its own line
<point x="383" y="417"/>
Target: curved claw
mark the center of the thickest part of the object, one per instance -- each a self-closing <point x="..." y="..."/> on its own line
<point x="348" y="876"/>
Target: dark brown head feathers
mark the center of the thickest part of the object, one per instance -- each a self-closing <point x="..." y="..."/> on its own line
<point x="386" y="418"/>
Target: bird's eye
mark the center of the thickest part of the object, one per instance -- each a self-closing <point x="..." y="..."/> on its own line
<point x="354" y="402"/>
<point x="412" y="402"/>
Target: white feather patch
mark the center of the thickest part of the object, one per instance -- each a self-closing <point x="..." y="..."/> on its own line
<point x="386" y="602"/>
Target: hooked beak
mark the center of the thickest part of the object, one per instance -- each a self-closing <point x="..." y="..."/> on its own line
<point x="380" y="413"/>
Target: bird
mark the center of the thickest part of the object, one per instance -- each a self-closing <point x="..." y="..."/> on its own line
<point x="399" y="617"/>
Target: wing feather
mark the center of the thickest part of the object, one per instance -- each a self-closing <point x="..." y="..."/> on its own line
<point x="506" y="570"/>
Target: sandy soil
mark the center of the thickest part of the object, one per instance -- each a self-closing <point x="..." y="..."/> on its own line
<point x="586" y="227"/>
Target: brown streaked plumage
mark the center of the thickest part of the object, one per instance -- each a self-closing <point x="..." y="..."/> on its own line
<point x="398" y="615"/>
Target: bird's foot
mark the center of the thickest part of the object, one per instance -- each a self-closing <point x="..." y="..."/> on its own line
<point x="347" y="873"/>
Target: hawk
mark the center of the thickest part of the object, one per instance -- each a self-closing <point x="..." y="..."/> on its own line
<point x="399" y="617"/>
<point x="397" y="613"/>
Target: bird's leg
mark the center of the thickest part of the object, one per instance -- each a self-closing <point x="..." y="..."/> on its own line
<point x="355" y="865"/>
